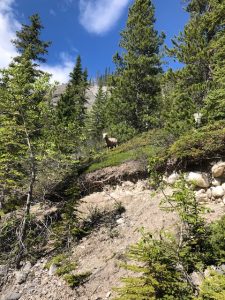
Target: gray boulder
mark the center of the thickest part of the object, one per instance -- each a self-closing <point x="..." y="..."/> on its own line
<point x="218" y="192"/>
<point x="218" y="169"/>
<point x="198" y="179"/>
<point x="12" y="296"/>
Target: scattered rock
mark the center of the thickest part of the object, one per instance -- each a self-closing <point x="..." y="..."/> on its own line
<point x="128" y="185"/>
<point x="108" y="295"/>
<point x="207" y="272"/>
<point x="141" y="185"/>
<point x="3" y="270"/>
<point x="218" y="169"/>
<point x="223" y="200"/>
<point x="216" y="182"/>
<point x="222" y="268"/>
<point x="209" y="193"/>
<point x="120" y="221"/>
<point x="201" y="196"/>
<point x="218" y="192"/>
<point x="52" y="270"/>
<point x="197" y="278"/>
<point x="21" y="277"/>
<point x="173" y="178"/>
<point x="12" y="296"/>
<point x="27" y="267"/>
<point x="198" y="179"/>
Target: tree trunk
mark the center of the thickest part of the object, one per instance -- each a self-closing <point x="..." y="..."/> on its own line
<point x="23" y="229"/>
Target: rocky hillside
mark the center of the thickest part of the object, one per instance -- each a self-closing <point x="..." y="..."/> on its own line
<point x="91" y="93"/>
<point x="117" y="212"/>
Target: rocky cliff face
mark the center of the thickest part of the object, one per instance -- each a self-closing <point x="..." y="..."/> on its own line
<point x="91" y="93"/>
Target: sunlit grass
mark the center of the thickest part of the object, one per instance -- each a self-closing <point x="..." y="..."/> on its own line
<point x="140" y="147"/>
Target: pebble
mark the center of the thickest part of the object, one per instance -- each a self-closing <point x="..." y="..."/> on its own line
<point x="13" y="296"/>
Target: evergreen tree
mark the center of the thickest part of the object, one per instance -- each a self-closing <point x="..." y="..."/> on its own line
<point x="135" y="97"/>
<point x="71" y="109"/>
<point x="22" y="103"/>
<point x="214" y="108"/>
<point x="98" y="115"/>
<point x="178" y="107"/>
<point x="196" y="48"/>
<point x="29" y="37"/>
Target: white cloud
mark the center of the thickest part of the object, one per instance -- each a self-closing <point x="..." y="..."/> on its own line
<point x="99" y="16"/>
<point x="8" y="26"/>
<point x="60" y="72"/>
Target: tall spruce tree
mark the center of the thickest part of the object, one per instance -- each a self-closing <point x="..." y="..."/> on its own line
<point x="29" y="37"/>
<point x="214" y="106"/>
<point x="71" y="109"/>
<point x="196" y="48"/>
<point x="98" y="115"/>
<point x="20" y="137"/>
<point x="135" y="96"/>
<point x="23" y="101"/>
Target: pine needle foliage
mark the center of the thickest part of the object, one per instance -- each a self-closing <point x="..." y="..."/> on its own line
<point x="29" y="37"/>
<point x="163" y="264"/>
<point x="157" y="275"/>
<point x="134" y="101"/>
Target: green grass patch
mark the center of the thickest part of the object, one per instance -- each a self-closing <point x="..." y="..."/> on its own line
<point x="140" y="147"/>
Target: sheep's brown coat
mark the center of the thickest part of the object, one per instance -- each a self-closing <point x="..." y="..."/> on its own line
<point x="110" y="142"/>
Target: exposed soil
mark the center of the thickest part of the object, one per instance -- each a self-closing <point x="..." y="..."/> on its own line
<point x="102" y="252"/>
<point x="96" y="181"/>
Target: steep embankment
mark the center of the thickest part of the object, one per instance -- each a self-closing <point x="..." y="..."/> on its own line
<point x="101" y="252"/>
<point x="117" y="202"/>
<point x="104" y="249"/>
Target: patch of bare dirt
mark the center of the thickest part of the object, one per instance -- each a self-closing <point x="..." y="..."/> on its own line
<point x="102" y="252"/>
<point x="95" y="181"/>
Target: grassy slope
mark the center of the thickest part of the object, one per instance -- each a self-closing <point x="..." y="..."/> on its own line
<point x="140" y="147"/>
<point x="203" y="144"/>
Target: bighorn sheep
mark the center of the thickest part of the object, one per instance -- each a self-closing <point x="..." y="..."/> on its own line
<point x="110" y="142"/>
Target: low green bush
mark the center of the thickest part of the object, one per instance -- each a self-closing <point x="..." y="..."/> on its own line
<point x="217" y="241"/>
<point x="213" y="287"/>
<point x="76" y="280"/>
<point x="192" y="148"/>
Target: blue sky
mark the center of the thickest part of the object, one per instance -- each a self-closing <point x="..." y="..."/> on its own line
<point x="86" y="27"/>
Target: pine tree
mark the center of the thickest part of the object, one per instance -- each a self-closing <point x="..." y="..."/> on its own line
<point x="135" y="97"/>
<point x="194" y="48"/>
<point x="71" y="109"/>
<point x="214" y="108"/>
<point x="97" y="115"/>
<point x="29" y="37"/>
<point x="178" y="108"/>
<point x="20" y="136"/>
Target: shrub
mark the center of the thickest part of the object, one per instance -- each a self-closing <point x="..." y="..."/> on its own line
<point x="155" y="263"/>
<point x="217" y="240"/>
<point x="163" y="265"/>
<point x="76" y="280"/>
<point x="213" y="287"/>
<point x="192" y="148"/>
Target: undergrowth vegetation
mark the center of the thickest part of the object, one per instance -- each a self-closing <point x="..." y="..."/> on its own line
<point x="141" y="147"/>
<point x="196" y="147"/>
<point x="163" y="265"/>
